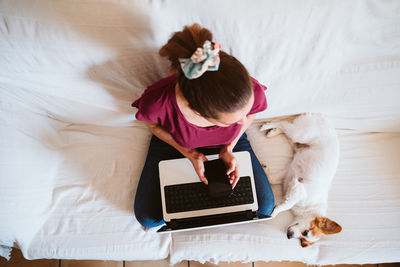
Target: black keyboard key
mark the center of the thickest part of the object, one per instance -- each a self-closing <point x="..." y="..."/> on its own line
<point x="194" y="196"/>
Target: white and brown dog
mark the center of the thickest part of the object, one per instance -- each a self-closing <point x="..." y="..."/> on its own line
<point x="308" y="178"/>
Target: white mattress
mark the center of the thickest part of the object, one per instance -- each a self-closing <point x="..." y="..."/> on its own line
<point x="71" y="153"/>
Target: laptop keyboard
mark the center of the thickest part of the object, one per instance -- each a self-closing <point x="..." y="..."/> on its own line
<point x="194" y="196"/>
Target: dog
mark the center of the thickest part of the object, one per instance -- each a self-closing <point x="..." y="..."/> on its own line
<point x="308" y="178"/>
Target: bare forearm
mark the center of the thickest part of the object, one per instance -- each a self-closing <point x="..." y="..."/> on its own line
<point x="193" y="155"/>
<point x="165" y="136"/>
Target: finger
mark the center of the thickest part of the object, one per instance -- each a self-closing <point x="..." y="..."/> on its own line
<point x="202" y="177"/>
<point x="231" y="168"/>
<point x="231" y="178"/>
<point x="235" y="181"/>
<point x="237" y="171"/>
<point x="235" y="176"/>
<point x="199" y="168"/>
<point x="204" y="180"/>
<point x="203" y="158"/>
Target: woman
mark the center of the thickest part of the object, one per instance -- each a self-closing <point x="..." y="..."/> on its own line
<point x="203" y="108"/>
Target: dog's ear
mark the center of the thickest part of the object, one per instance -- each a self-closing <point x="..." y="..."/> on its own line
<point x="328" y="226"/>
<point x="304" y="243"/>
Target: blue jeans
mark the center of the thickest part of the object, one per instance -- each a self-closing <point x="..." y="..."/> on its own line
<point x="148" y="210"/>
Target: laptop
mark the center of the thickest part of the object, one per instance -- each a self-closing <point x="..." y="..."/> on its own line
<point x="187" y="206"/>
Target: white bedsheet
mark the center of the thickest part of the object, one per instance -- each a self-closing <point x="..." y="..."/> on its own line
<point x="67" y="191"/>
<point x="364" y="199"/>
<point x="71" y="153"/>
<point x="85" y="61"/>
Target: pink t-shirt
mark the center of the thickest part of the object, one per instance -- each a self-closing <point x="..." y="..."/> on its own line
<point x="158" y="105"/>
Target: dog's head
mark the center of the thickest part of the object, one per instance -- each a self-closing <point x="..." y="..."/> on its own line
<point x="310" y="232"/>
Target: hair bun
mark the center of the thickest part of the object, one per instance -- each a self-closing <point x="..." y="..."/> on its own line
<point x="184" y="43"/>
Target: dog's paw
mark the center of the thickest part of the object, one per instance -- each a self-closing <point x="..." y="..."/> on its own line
<point x="266" y="126"/>
<point x="270" y="129"/>
<point x="272" y="132"/>
<point x="275" y="212"/>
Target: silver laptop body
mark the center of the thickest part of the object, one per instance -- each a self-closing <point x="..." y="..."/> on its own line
<point x="181" y="171"/>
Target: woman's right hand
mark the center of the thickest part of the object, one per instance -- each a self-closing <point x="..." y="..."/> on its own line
<point x="197" y="159"/>
<point x="193" y="155"/>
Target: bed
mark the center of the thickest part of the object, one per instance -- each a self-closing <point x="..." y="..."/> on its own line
<point x="71" y="151"/>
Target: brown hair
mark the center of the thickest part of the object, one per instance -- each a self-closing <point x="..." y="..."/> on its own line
<point x="226" y="90"/>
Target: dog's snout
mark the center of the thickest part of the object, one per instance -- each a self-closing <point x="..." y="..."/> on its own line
<point x="289" y="234"/>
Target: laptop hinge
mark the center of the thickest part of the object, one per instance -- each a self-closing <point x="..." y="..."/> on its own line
<point x="200" y="221"/>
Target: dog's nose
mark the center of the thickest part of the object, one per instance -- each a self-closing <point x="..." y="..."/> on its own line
<point x="289" y="234"/>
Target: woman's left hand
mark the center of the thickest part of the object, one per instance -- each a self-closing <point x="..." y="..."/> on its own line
<point x="231" y="165"/>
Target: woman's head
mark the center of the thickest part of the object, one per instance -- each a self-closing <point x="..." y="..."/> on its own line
<point x="215" y="93"/>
